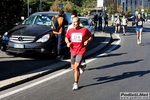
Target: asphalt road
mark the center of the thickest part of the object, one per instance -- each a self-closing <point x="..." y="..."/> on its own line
<point x="125" y="69"/>
<point x="12" y="66"/>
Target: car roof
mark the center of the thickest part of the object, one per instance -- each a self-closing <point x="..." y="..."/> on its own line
<point x="48" y="12"/>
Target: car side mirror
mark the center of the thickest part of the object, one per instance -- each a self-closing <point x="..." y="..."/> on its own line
<point x="18" y="23"/>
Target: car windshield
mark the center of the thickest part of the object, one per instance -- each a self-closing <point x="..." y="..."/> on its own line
<point x="38" y="20"/>
<point x="84" y="21"/>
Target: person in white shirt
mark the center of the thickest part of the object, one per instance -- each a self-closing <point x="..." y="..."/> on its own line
<point x="124" y="24"/>
<point x="117" y="24"/>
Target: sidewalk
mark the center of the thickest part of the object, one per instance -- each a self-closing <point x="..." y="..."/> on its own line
<point x="100" y="41"/>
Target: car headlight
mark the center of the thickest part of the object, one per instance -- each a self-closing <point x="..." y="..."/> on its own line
<point x="44" y="38"/>
<point x="5" y="36"/>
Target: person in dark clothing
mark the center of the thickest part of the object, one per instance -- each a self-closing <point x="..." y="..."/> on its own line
<point x="106" y="21"/>
<point x="100" y="21"/>
<point x="60" y="35"/>
<point x="95" y="21"/>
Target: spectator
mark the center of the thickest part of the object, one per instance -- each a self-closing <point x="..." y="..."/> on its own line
<point x="60" y="34"/>
<point x="100" y="21"/>
<point x="106" y="21"/>
<point x="95" y="21"/>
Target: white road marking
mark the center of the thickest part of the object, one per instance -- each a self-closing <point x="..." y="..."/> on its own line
<point x="57" y="75"/>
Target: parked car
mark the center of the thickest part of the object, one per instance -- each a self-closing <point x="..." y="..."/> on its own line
<point x="33" y="35"/>
<point x="88" y="23"/>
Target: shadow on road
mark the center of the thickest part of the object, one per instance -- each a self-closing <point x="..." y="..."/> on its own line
<point x="106" y="79"/>
<point x="116" y="64"/>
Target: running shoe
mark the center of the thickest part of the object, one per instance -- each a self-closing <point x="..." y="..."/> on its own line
<point x="75" y="86"/>
<point x="83" y="63"/>
<point x="138" y="42"/>
<point x="124" y="33"/>
<point x="81" y="70"/>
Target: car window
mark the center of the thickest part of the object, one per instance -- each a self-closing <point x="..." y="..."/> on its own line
<point x="84" y="21"/>
<point x="42" y="20"/>
<point x="29" y="20"/>
<point x="38" y="20"/>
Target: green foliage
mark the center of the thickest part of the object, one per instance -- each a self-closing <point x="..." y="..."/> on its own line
<point x="139" y="9"/>
<point x="55" y="6"/>
<point x="147" y="10"/>
<point x="10" y="13"/>
<point x="12" y="10"/>
<point x="110" y="10"/>
<point x="128" y="12"/>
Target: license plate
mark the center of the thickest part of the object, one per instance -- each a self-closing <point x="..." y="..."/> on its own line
<point x="18" y="46"/>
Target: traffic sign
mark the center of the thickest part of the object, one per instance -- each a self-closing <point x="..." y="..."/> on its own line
<point x="61" y="5"/>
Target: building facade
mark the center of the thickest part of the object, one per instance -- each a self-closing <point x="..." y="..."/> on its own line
<point x="128" y="3"/>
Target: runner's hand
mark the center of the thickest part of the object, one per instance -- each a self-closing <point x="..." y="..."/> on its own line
<point x="85" y="43"/>
<point x="68" y="44"/>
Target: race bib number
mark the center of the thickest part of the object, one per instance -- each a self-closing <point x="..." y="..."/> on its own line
<point x="140" y="23"/>
<point x="76" y="37"/>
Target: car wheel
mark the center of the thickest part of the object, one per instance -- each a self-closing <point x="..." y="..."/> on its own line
<point x="3" y="47"/>
<point x="9" y="53"/>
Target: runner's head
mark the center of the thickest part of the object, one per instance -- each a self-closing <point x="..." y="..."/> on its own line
<point x="72" y="16"/>
<point x="76" y="22"/>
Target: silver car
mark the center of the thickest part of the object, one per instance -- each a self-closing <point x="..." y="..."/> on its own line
<point x="88" y="23"/>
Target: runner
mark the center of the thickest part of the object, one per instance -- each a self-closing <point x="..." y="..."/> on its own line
<point x="117" y="24"/>
<point x="139" y="27"/>
<point x="77" y="39"/>
<point x="124" y="24"/>
<point x="83" y="63"/>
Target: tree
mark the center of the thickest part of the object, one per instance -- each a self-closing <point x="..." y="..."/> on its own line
<point x="110" y="10"/>
<point x="69" y="7"/>
<point x="10" y="14"/>
<point x="120" y="10"/>
<point x="139" y="8"/>
<point x="147" y="10"/>
<point x="55" y="6"/>
<point x="129" y="11"/>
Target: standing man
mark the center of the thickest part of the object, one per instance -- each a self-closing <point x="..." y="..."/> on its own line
<point x="95" y="20"/>
<point x="139" y="27"/>
<point x="100" y="21"/>
<point x="106" y="22"/>
<point x="77" y="38"/>
<point x="60" y="33"/>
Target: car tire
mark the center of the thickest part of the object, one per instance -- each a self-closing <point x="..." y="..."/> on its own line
<point x="9" y="53"/>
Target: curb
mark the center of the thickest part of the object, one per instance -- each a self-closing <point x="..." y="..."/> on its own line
<point x="48" y="69"/>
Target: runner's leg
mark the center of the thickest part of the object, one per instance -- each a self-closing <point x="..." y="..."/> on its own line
<point x="73" y="61"/>
<point x="140" y="35"/>
<point x="77" y="65"/>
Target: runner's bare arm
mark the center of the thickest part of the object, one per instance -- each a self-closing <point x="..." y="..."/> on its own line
<point x="88" y="41"/>
<point x="67" y="42"/>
